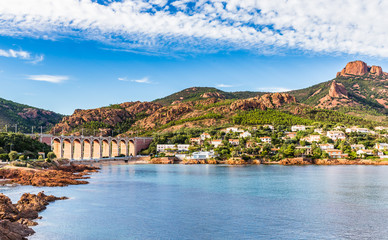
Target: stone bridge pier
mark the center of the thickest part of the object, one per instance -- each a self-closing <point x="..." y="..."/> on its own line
<point x="87" y="148"/>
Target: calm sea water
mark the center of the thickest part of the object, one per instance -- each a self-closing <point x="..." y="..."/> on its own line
<point x="219" y="202"/>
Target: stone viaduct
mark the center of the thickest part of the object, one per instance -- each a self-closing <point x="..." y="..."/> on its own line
<point x="87" y="148"/>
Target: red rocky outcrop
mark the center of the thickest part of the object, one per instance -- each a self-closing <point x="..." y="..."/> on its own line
<point x="271" y="100"/>
<point x="337" y="90"/>
<point x="360" y="68"/>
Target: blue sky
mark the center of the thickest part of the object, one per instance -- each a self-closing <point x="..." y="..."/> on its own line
<point x="71" y="54"/>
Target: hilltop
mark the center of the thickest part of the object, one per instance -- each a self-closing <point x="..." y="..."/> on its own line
<point x="25" y="116"/>
<point x="358" y="89"/>
<point x="200" y="93"/>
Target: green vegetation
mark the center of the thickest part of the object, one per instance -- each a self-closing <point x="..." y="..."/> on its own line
<point x="19" y="143"/>
<point x="307" y="117"/>
<point x="50" y="155"/>
<point x="260" y="117"/>
<point x="10" y="114"/>
<point x="192" y="119"/>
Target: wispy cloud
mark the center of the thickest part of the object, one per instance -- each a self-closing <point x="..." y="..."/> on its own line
<point x="21" y="54"/>
<point x="48" y="78"/>
<point x="224" y="85"/>
<point x="273" y="89"/>
<point x="194" y="26"/>
<point x="142" y="80"/>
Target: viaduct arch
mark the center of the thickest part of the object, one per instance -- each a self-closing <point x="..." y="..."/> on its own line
<point x="87" y="148"/>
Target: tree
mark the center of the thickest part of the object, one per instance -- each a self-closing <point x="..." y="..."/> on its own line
<point x="289" y="152"/>
<point x="51" y="155"/>
<point x="324" y="155"/>
<point x="13" y="155"/>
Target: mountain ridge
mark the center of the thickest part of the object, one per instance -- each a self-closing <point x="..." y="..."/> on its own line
<point x="358" y="90"/>
<point x="26" y="116"/>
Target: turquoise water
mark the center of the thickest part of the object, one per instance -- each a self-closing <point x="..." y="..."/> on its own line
<point x="219" y="202"/>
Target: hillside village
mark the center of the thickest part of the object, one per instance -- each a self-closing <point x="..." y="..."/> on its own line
<point x="270" y="143"/>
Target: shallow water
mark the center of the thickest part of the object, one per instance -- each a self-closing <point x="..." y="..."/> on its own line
<point x="219" y="202"/>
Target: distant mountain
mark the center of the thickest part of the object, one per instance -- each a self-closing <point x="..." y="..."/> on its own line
<point x="26" y="117"/>
<point x="358" y="95"/>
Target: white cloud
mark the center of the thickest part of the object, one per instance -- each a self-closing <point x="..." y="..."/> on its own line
<point x="273" y="89"/>
<point x="142" y="80"/>
<point x="224" y="85"/>
<point x="266" y="26"/>
<point x="11" y="53"/>
<point x="48" y="78"/>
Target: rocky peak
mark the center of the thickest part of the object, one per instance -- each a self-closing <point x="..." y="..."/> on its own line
<point x="270" y="100"/>
<point x="212" y="95"/>
<point x="377" y="70"/>
<point x="360" y="68"/>
<point x="337" y="90"/>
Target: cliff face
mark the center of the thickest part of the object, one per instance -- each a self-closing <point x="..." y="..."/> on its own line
<point x="337" y="97"/>
<point x="360" y="68"/>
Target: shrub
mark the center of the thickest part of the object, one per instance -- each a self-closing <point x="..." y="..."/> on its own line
<point x="4" y="156"/>
<point x="51" y="155"/>
<point x="13" y="155"/>
<point x="40" y="157"/>
<point x="22" y="157"/>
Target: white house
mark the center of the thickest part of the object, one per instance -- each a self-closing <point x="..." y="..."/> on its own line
<point x="357" y="147"/>
<point x="203" y="155"/>
<point x="357" y="130"/>
<point x="216" y="142"/>
<point x="312" y="138"/>
<point x="363" y="151"/>
<point x="296" y="128"/>
<point x="266" y="139"/>
<point x="245" y="134"/>
<point x="234" y="142"/>
<point x="196" y="141"/>
<point x="381" y="146"/>
<point x="205" y="136"/>
<point x="233" y="129"/>
<point x="326" y="146"/>
<point x="268" y="126"/>
<point x="173" y="147"/>
<point x="336" y="135"/>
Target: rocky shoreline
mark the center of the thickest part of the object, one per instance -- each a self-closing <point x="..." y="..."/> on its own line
<point x="16" y="219"/>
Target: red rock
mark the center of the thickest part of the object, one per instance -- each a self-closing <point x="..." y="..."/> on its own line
<point x="354" y="68"/>
<point x="377" y="70"/>
<point x="337" y="90"/>
<point x="270" y="100"/>
<point x="360" y="68"/>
